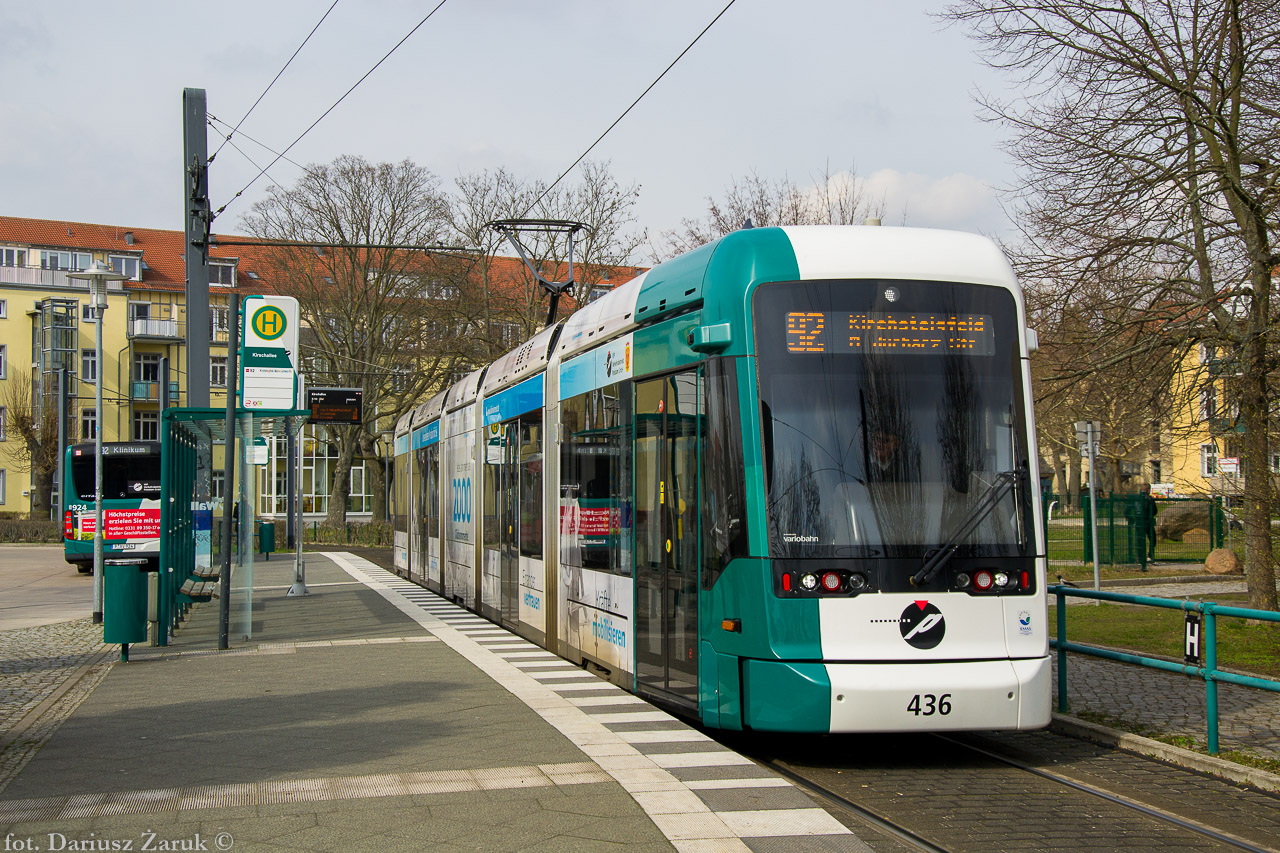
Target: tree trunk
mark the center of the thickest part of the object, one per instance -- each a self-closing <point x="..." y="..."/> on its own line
<point x="341" y="489"/>
<point x="1073" y="481"/>
<point x="1259" y="560"/>
<point x="1060" y="479"/>
<point x="376" y="471"/>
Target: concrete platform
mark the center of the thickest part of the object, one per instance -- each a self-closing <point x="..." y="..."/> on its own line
<point x="373" y="715"/>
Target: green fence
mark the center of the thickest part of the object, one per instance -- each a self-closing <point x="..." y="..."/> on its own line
<point x="1206" y="668"/>
<point x="1181" y="530"/>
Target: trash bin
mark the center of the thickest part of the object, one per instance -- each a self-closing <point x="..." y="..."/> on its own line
<point x="124" y="602"/>
<point x="266" y="536"/>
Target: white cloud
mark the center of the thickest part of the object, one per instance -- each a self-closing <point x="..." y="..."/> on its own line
<point x="957" y="201"/>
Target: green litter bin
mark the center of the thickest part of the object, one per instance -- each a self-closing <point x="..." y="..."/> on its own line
<point x="266" y="537"/>
<point x="124" y="602"/>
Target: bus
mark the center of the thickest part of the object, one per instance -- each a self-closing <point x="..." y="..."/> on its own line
<point x="130" y="502"/>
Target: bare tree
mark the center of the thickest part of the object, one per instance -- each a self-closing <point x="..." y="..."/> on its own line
<point x="34" y="422"/>
<point x="1148" y="135"/>
<point x="379" y="319"/>
<point x="832" y="198"/>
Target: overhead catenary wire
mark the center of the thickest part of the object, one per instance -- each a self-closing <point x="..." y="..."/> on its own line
<point x="616" y="121"/>
<point x="334" y="106"/>
<point x="213" y="119"/>
<point x="273" y="82"/>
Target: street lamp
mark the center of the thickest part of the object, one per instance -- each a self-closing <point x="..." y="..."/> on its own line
<point x="97" y="275"/>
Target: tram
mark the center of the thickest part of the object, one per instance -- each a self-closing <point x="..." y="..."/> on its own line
<point x="130" y="502"/>
<point x="781" y="482"/>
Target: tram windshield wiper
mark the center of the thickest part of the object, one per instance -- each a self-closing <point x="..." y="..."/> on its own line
<point x="936" y="558"/>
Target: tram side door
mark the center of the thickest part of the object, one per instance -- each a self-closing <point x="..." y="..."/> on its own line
<point x="667" y="412"/>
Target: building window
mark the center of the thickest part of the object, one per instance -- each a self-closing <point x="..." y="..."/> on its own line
<point x="13" y="257"/>
<point x="88" y="424"/>
<point x="218" y="324"/>
<point x="4" y="308"/>
<point x="219" y="483"/>
<point x="146" y="367"/>
<point x="1208" y="460"/>
<point x="146" y="426"/>
<point x="218" y="371"/>
<point x="125" y="265"/>
<point x="2" y="485"/>
<point x="89" y="365"/>
<point x="1208" y="402"/>
<point x="4" y="423"/>
<point x="1275" y="463"/>
<point x="87" y="312"/>
<point x="222" y="275"/>
<point x="4" y="361"/>
<point x="139" y="311"/>
<point x="55" y="260"/>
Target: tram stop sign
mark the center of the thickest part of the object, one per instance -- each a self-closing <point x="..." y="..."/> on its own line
<point x="269" y="352"/>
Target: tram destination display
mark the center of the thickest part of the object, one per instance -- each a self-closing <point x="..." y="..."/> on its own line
<point x="865" y="332"/>
<point x="335" y="405"/>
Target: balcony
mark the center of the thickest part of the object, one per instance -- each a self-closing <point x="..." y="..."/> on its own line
<point x="36" y="277"/>
<point x="142" y="391"/>
<point x="156" y="330"/>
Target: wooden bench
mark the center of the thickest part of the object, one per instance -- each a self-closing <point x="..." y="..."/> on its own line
<point x="199" y="590"/>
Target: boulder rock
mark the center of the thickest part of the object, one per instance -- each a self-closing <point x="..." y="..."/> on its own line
<point x="1223" y="561"/>
<point x="1174" y="520"/>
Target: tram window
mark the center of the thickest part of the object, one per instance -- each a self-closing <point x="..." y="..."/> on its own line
<point x="431" y="490"/>
<point x="496" y="483"/>
<point x="725" y="535"/>
<point x="595" y="480"/>
<point x="530" y="455"/>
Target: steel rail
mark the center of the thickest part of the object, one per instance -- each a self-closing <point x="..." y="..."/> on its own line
<point x="877" y="821"/>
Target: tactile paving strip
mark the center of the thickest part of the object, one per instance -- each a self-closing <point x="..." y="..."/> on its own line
<point x="644" y="759"/>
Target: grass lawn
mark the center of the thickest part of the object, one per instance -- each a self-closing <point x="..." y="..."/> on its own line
<point x="1159" y="632"/>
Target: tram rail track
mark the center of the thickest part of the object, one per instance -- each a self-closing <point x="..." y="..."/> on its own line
<point x="917" y="834"/>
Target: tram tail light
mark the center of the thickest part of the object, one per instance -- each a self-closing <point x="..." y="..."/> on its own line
<point x="786" y="581"/>
<point x="983" y="580"/>
<point x="831" y="581"/>
<point x="1026" y="580"/>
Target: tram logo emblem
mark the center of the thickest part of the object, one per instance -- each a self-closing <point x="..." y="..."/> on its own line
<point x="269" y="322"/>
<point x="922" y="625"/>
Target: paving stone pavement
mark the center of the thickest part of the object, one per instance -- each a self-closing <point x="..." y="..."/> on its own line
<point x="45" y="672"/>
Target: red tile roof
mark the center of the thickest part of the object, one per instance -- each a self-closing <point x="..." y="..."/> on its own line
<point x="162" y="251"/>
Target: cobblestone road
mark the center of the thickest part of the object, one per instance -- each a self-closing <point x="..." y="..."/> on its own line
<point x="45" y="672"/>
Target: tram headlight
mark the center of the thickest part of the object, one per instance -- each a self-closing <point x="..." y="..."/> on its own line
<point x="809" y="581"/>
<point x="962" y="581"/>
<point x="831" y="581"/>
<point x="1002" y="579"/>
<point x="982" y="580"/>
<point x="857" y="582"/>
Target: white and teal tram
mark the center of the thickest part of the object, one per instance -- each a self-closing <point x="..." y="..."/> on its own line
<point x="781" y="482"/>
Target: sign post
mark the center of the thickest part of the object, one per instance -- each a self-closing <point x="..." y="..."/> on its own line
<point x="1090" y="436"/>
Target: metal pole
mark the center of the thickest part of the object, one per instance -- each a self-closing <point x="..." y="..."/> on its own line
<point x="229" y="471"/>
<point x="57" y="506"/>
<point x="299" y="567"/>
<point x="195" y="206"/>
<point x="1211" y="670"/>
<point x="1093" y="505"/>
<point x="98" y="286"/>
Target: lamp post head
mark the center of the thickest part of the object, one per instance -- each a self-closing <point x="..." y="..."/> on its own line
<point x="98" y="274"/>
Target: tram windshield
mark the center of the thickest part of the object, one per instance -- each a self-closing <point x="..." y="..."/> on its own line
<point x="890" y="410"/>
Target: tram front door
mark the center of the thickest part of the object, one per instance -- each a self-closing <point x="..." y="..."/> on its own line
<point x="667" y="414"/>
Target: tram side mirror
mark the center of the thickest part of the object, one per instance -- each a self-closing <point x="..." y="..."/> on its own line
<point x="1033" y="341"/>
<point x="710" y="338"/>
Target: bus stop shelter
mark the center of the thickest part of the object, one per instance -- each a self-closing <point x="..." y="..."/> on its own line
<point x="193" y="444"/>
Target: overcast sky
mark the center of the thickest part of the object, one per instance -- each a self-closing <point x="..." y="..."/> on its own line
<point x="92" y="127"/>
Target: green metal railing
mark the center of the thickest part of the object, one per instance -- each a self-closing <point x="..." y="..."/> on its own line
<point x="1209" y="672"/>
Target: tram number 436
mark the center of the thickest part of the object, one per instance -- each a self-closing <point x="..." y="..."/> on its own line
<point x="926" y="704"/>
